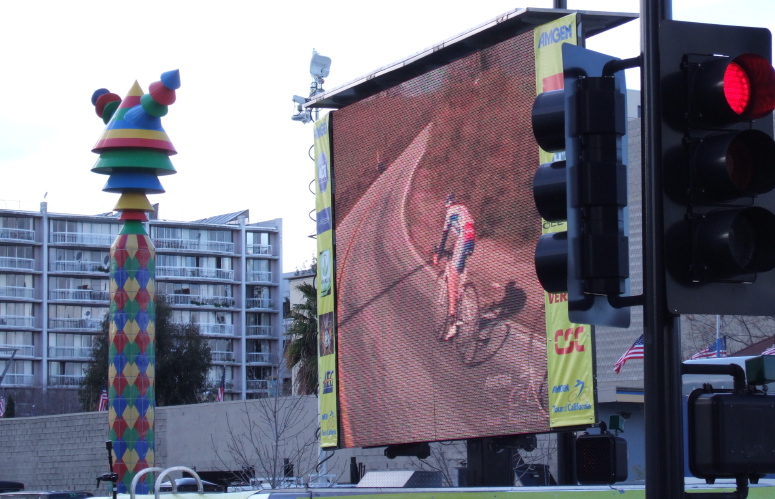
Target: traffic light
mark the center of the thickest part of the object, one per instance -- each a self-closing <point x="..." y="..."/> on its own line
<point x="725" y="437"/>
<point x="600" y="459"/>
<point x="587" y="189"/>
<point x="717" y="88"/>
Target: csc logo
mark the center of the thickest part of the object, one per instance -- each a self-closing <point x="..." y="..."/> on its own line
<point x="570" y="338"/>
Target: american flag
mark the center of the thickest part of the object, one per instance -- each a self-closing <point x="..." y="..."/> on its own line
<point x="634" y="352"/>
<point x="769" y="351"/>
<point x="222" y="387"/>
<point x="716" y="349"/>
<point x="2" y="407"/>
<point x="103" y="405"/>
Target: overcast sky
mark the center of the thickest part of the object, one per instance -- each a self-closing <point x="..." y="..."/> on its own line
<point x="240" y="64"/>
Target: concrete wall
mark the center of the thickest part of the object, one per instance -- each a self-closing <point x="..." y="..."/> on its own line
<point x="68" y="451"/>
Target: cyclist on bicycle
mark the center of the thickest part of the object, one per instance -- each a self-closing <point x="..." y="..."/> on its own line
<point x="459" y="221"/>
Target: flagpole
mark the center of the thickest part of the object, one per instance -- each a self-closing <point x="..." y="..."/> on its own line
<point x="718" y="332"/>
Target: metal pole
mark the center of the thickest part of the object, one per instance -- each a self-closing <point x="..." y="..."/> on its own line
<point x="662" y="363"/>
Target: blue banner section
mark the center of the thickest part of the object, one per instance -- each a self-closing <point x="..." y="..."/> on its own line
<point x="324" y="220"/>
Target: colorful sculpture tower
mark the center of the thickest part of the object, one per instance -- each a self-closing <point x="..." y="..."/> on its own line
<point x="134" y="151"/>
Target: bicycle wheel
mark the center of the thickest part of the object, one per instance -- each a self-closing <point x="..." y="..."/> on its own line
<point x="467" y="338"/>
<point x="442" y="305"/>
<point x="491" y="337"/>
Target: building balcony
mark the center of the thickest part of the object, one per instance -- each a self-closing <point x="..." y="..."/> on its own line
<point x="79" y="295"/>
<point x="17" y="321"/>
<point x="12" y="379"/>
<point x="258" y="276"/>
<point x="257" y="384"/>
<point x="78" y="266"/>
<point x="82" y="324"/>
<point x="259" y="249"/>
<point x="20" y="292"/>
<point x="21" y="350"/>
<point x="68" y="380"/>
<point x="194" y="245"/>
<point x="263" y="331"/>
<point x="12" y="263"/>
<point x="259" y="303"/>
<point x="222" y="356"/>
<point x="199" y="300"/>
<point x="187" y="272"/>
<point x="258" y="358"/>
<point x="9" y="234"/>
<point x="81" y="239"/>
<point x="213" y="329"/>
<point x="69" y="352"/>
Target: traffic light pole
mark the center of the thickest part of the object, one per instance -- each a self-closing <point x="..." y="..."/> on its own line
<point x="662" y="363"/>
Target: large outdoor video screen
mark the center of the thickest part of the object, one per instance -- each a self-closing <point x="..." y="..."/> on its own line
<point x="447" y="157"/>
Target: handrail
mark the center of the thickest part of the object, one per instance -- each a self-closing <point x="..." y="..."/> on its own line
<point x="137" y="477"/>
<point x="156" y="489"/>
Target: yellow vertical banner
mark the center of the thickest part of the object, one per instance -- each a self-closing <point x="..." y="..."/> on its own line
<point x="569" y="346"/>
<point x="327" y="391"/>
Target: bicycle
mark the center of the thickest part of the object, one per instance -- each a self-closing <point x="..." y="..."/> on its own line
<point x="466" y="337"/>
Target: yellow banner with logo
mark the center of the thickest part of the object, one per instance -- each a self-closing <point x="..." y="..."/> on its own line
<point x="569" y="346"/>
<point x="327" y="389"/>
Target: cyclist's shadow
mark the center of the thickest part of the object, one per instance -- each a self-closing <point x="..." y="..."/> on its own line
<point x="511" y="304"/>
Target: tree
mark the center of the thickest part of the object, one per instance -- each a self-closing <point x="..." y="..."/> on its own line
<point x="273" y="434"/>
<point x="445" y="457"/>
<point x="302" y="351"/>
<point x="10" y="408"/>
<point x="698" y="331"/>
<point x="96" y="378"/>
<point x="183" y="359"/>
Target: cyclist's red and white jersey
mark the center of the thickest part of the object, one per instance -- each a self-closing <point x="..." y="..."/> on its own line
<point x="460" y="220"/>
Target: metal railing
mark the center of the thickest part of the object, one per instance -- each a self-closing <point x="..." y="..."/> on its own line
<point x="187" y="299"/>
<point x="21" y="350"/>
<point x="259" y="249"/>
<point x="17" y="292"/>
<point x="12" y="379"/>
<point x="64" y="380"/>
<point x="9" y="262"/>
<point x="258" y="331"/>
<point x="258" y="276"/>
<point x="68" y="323"/>
<point x="222" y="356"/>
<point x="258" y="357"/>
<point x="17" y="234"/>
<point x="169" y="271"/>
<point x="81" y="238"/>
<point x="214" y="329"/>
<point x="78" y="266"/>
<point x="259" y="303"/>
<point x="257" y="384"/>
<point x="70" y="352"/>
<point x="194" y="245"/>
<point x="17" y="321"/>
<point x="79" y="295"/>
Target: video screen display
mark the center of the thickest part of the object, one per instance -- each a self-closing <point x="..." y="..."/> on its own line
<point x="439" y="316"/>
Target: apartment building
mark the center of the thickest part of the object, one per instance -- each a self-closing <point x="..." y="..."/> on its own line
<point x="223" y="273"/>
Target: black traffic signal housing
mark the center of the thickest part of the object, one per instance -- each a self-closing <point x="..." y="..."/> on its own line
<point x="588" y="189"/>
<point x="600" y="459"/>
<point x="717" y="91"/>
<point x="726" y="434"/>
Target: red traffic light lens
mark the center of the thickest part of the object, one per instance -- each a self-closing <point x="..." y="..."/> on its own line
<point x="749" y="86"/>
<point x="737" y="87"/>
